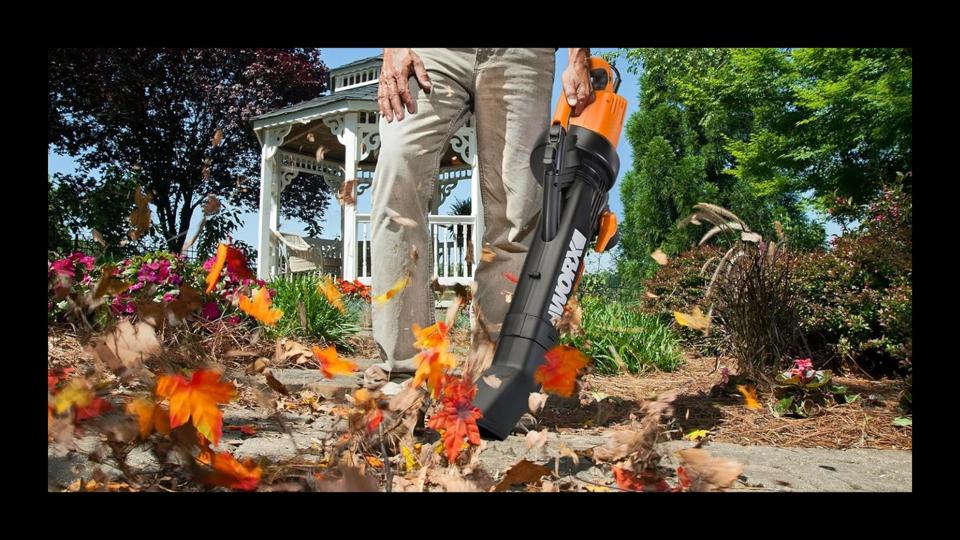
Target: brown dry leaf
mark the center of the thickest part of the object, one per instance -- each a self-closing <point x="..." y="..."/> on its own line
<point x="536" y="440"/>
<point x="493" y="381"/>
<point x="487" y="255"/>
<point x="257" y="366"/>
<point x="321" y="152"/>
<point x="571" y="319"/>
<point x="205" y="173"/>
<point x="636" y="445"/>
<point x="468" y="258"/>
<point x="288" y="350"/>
<point x="651" y="295"/>
<point x="405" y="399"/>
<point x="660" y="257"/>
<point x="272" y="382"/>
<point x="217" y="137"/>
<point x="347" y="194"/>
<point x="188" y="301"/>
<point x="311" y="137"/>
<point x="524" y="472"/>
<point x="452" y="482"/>
<point x="109" y="283"/>
<point x="351" y="481"/>
<point x="400" y="220"/>
<point x="98" y="238"/>
<point x="212" y="205"/>
<point x="748" y="236"/>
<point x="140" y="217"/>
<point x="536" y="401"/>
<point x="413" y="253"/>
<point x="126" y="346"/>
<point x="549" y="487"/>
<point x="565" y="451"/>
<point x="706" y="472"/>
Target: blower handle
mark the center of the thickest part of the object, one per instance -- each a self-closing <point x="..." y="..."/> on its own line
<point x="601" y="78"/>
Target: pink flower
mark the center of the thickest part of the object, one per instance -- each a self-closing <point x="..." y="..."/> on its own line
<point x="209" y="264"/>
<point x="168" y="297"/>
<point x="211" y="311"/>
<point x="63" y="267"/>
<point x="235" y="319"/>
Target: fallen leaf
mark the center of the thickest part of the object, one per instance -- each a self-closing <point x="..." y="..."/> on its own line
<point x="558" y="374"/>
<point x="197" y="400"/>
<point x="697" y="434"/>
<point x="331" y="364"/>
<point x="332" y="294"/>
<point x="660" y="257"/>
<point x="524" y="472"/>
<point x="398" y="286"/>
<point x="140" y="217"/>
<point x="228" y="472"/>
<point x="351" y="481"/>
<point x="260" y="307"/>
<point x="257" y="366"/>
<point x="630" y="481"/>
<point x="597" y="489"/>
<point x="95" y="408"/>
<point x="246" y="429"/>
<point x="750" y="395"/>
<point x="124" y="348"/>
<point x="374" y="462"/>
<point x="77" y="393"/>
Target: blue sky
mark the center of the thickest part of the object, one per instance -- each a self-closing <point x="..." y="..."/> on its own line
<point x="334" y="57"/>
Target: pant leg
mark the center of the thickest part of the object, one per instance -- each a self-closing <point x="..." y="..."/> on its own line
<point x="407" y="168"/>
<point x="512" y="108"/>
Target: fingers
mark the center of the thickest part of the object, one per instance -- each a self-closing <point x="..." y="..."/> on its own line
<point x="422" y="76"/>
<point x="403" y="91"/>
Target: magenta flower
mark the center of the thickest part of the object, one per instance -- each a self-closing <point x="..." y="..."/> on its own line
<point x="210" y="311"/>
<point x="169" y="297"/>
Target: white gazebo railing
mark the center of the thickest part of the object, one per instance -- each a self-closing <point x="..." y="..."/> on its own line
<point x="452" y="238"/>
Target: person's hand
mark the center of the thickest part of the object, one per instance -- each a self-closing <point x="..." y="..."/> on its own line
<point x="576" y="81"/>
<point x="394" y="91"/>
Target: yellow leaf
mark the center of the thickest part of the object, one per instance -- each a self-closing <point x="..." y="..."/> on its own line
<point x="750" y="395"/>
<point x="76" y="394"/>
<point x="696" y="320"/>
<point x="697" y="434"/>
<point x="597" y="489"/>
<point x="660" y="257"/>
<point x="260" y="307"/>
<point x="329" y="290"/>
<point x="398" y="286"/>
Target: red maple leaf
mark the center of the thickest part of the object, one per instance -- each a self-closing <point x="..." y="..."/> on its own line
<point x="457" y="416"/>
<point x="646" y="481"/>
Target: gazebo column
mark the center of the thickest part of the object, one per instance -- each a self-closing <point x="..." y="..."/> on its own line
<point x="267" y="249"/>
<point x="476" y="200"/>
<point x="349" y="211"/>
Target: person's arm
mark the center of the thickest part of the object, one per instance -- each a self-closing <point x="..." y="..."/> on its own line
<point x="576" y="80"/>
<point x="394" y="91"/>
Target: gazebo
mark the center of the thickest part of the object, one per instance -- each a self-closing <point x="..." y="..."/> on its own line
<point x="345" y="124"/>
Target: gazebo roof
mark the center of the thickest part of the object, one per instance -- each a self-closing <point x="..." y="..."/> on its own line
<point x="360" y="93"/>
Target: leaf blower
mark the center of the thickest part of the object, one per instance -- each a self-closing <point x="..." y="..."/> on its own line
<point x="575" y="160"/>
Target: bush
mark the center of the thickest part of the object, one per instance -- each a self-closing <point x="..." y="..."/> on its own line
<point x="857" y="297"/>
<point x="317" y="318"/>
<point x="639" y="339"/>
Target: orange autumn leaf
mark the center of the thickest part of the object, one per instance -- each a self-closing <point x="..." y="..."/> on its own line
<point x="750" y="395"/>
<point x="398" y="286"/>
<point x="246" y="429"/>
<point x="228" y="472"/>
<point x="260" y="308"/>
<point x="197" y="401"/>
<point x="96" y="407"/>
<point x="150" y="417"/>
<point x="431" y="337"/>
<point x="214" y="274"/>
<point x="76" y="394"/>
<point x="559" y="373"/>
<point x="329" y="290"/>
<point x="433" y="360"/>
<point x="457" y="417"/>
<point x="629" y="481"/>
<point x="372" y="420"/>
<point x="365" y="401"/>
<point x="331" y="364"/>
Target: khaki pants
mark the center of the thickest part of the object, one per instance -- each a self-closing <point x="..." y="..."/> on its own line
<point x="508" y="91"/>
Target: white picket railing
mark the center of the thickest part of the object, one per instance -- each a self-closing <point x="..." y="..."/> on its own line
<point x="450" y="238"/>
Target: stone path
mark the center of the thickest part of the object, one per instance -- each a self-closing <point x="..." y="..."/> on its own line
<point x="765" y="468"/>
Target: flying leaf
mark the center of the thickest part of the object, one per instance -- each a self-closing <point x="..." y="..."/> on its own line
<point x="457" y="416"/>
<point x="228" y="472"/>
<point x="492" y="381"/>
<point x="124" y="348"/>
<point x="109" y="283"/>
<point x="140" y="217"/>
<point x="98" y="238"/>
<point x="214" y="274"/>
<point x="697" y="434"/>
<point x="311" y="137"/>
<point x="217" y="138"/>
<point x="535" y="440"/>
<point x="272" y="382"/>
<point x="211" y="206"/>
<point x="903" y="421"/>
<point x="150" y="417"/>
<point x="400" y="220"/>
<point x="660" y="257"/>
<point x="536" y="401"/>
<point x="398" y="286"/>
<point x="512" y="278"/>
<point x="321" y="152"/>
<point x="347" y="194"/>
<point x="651" y="295"/>
<point x="77" y="393"/>
<point x="524" y="472"/>
<point x="260" y="307"/>
<point x="332" y="294"/>
<point x="695" y="320"/>
<point x="558" y="374"/>
<point x="750" y="395"/>
<point x="331" y="364"/>
<point x="703" y="472"/>
<point x="487" y="255"/>
<point x="197" y="400"/>
<point x="747" y="236"/>
<point x="95" y="408"/>
<point x="433" y="360"/>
